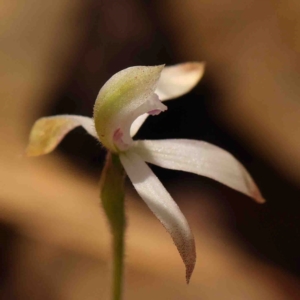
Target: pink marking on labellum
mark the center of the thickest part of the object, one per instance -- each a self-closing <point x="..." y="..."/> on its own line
<point x="118" y="134"/>
<point x="154" y="112"/>
<point x="118" y="139"/>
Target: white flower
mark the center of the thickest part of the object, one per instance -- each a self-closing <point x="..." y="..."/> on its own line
<point x="122" y="105"/>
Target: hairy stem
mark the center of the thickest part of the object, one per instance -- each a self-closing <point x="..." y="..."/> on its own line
<point x="112" y="198"/>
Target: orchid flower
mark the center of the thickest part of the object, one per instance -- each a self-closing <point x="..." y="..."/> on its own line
<point x="122" y="106"/>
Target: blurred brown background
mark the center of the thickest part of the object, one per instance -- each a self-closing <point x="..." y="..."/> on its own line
<point x="54" y="58"/>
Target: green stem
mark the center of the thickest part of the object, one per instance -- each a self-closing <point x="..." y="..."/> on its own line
<point x="112" y="198"/>
<point x="118" y="260"/>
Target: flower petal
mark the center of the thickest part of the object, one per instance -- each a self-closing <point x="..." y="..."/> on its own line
<point x="178" y="80"/>
<point x="125" y="96"/>
<point x="174" y="82"/>
<point x="48" y="132"/>
<point x="163" y="206"/>
<point x="200" y="158"/>
<point x="137" y="123"/>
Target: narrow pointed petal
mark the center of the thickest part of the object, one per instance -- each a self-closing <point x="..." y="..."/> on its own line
<point x="125" y="96"/>
<point x="178" y="80"/>
<point x="200" y="158"/>
<point x="174" y="82"/>
<point x="163" y="206"/>
<point x="48" y="132"/>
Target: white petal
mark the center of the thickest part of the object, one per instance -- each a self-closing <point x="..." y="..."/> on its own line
<point x="163" y="206"/>
<point x="125" y="96"/>
<point x="137" y="123"/>
<point x="200" y="158"/>
<point x="48" y="132"/>
<point x="174" y="82"/>
<point x="179" y="79"/>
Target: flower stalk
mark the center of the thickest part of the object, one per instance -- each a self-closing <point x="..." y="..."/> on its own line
<point x="112" y="198"/>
